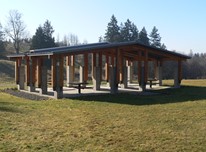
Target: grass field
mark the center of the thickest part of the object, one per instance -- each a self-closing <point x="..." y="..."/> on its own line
<point x="175" y="120"/>
<point x="6" y="74"/>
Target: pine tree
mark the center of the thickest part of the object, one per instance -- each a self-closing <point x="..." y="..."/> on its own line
<point x="128" y="31"/>
<point x="163" y="46"/>
<point x="135" y="32"/>
<point x="43" y="37"/>
<point x="155" y="39"/>
<point x="113" y="31"/>
<point x="2" y="47"/>
<point x="143" y="38"/>
<point x="48" y="31"/>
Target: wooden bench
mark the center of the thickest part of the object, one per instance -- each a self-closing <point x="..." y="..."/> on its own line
<point x="153" y="82"/>
<point x="78" y="85"/>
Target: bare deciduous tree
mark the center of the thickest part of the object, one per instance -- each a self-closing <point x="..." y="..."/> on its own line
<point x="15" y="28"/>
<point x="70" y="40"/>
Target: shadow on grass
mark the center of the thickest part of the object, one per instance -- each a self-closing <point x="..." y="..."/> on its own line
<point x="6" y="107"/>
<point x="183" y="94"/>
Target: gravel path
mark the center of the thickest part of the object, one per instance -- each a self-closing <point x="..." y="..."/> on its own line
<point x="25" y="95"/>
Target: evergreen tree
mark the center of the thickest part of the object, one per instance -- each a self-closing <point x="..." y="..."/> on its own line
<point x="143" y="38"/>
<point x="163" y="46"/>
<point x="2" y="47"/>
<point x="43" y="37"/>
<point x="155" y="39"/>
<point x="113" y="31"/>
<point x="128" y="31"/>
<point x="135" y="32"/>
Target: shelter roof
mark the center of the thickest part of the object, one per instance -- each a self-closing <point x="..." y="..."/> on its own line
<point x="79" y="49"/>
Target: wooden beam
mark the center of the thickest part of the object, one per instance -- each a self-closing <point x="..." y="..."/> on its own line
<point x="61" y="71"/>
<point x="34" y="64"/>
<point x="156" y="52"/>
<point x="17" y="66"/>
<point x="86" y="67"/>
<point x="155" y="62"/>
<point x="68" y="60"/>
<point x="107" y="68"/>
<point x="145" y="66"/>
<point x="139" y="67"/>
<point x="179" y="71"/>
<point x="39" y="71"/>
<point x="73" y="66"/>
<point x="93" y="62"/>
<point x="94" y="59"/>
<point x="27" y="71"/>
<point x="100" y="65"/>
<point x="53" y="72"/>
<point x="120" y="66"/>
<point x="117" y="65"/>
<point x="112" y="60"/>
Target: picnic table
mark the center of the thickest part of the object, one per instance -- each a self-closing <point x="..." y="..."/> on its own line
<point x="152" y="82"/>
<point x="78" y="85"/>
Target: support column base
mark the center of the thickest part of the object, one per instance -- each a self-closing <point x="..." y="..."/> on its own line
<point x="42" y="91"/>
<point x="142" y="89"/>
<point x="176" y="85"/>
<point x="58" y="94"/>
<point x="31" y="88"/>
<point x="123" y="85"/>
<point x="113" y="85"/>
<point x="18" y="87"/>
<point x="96" y="79"/>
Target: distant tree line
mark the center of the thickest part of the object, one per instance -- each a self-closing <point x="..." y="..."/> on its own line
<point x="193" y="68"/>
<point x="128" y="31"/>
<point x="19" y="41"/>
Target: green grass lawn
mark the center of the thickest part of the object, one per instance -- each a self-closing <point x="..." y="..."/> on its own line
<point x="6" y="74"/>
<point x="175" y="120"/>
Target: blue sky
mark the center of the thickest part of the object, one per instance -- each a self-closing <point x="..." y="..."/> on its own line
<point x="181" y="23"/>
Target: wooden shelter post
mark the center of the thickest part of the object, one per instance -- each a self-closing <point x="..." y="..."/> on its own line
<point x="86" y="64"/>
<point x="120" y="64"/>
<point x="30" y="74"/>
<point x="124" y="74"/>
<point x="17" y="67"/>
<point x="178" y="74"/>
<point x="27" y="71"/>
<point x="43" y="88"/>
<point x="130" y="71"/>
<point x="20" y="74"/>
<point x="145" y="67"/>
<point x="142" y="69"/>
<point x="21" y="77"/>
<point x="57" y="76"/>
<point x="158" y="71"/>
<point x="114" y="73"/>
<point x="38" y="73"/>
<point x="100" y="65"/>
<point x="95" y="73"/>
<point x="69" y="70"/>
<point x="83" y="70"/>
<point x="107" y="69"/>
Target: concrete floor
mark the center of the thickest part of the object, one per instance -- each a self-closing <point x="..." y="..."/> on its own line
<point x="73" y="92"/>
